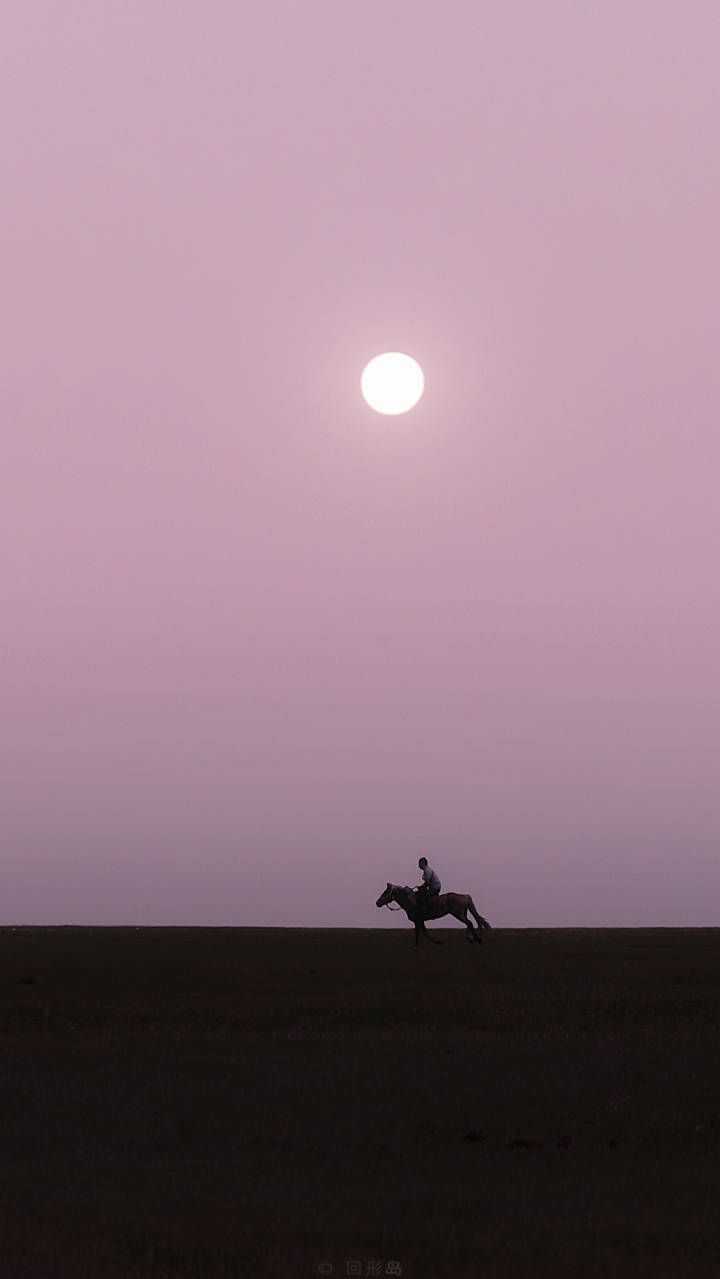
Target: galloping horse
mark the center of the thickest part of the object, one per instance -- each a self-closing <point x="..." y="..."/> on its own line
<point x="456" y="904"/>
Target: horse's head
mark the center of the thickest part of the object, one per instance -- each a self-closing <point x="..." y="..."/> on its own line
<point x="387" y="896"/>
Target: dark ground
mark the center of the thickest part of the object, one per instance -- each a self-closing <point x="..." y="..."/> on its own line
<point x="220" y="1102"/>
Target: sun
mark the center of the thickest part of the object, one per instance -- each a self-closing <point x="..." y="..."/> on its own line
<point x="392" y="383"/>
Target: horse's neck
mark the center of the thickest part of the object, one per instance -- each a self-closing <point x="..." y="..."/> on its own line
<point x="405" y="897"/>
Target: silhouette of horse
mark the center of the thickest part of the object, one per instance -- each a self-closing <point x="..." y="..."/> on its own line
<point x="460" y="905"/>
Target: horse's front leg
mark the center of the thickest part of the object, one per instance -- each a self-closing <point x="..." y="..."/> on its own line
<point x="428" y="935"/>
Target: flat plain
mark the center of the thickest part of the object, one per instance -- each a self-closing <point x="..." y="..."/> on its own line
<point x="206" y="1102"/>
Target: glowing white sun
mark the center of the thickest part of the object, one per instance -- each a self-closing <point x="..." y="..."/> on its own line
<point x="392" y="383"/>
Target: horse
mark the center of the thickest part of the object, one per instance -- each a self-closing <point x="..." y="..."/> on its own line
<point x="460" y="905"/>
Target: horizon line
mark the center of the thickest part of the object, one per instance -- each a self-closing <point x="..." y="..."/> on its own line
<point x="360" y="927"/>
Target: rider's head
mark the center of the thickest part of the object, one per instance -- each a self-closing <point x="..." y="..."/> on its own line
<point x="422" y="862"/>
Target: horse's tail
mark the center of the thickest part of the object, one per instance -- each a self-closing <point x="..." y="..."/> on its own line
<point x="481" y="922"/>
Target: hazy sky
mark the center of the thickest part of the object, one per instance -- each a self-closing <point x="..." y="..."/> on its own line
<point x="261" y="647"/>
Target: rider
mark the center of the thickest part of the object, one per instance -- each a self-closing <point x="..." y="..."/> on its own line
<point x="430" y="886"/>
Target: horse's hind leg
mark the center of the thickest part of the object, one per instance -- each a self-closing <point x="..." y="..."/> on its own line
<point x="469" y="930"/>
<point x="472" y="934"/>
<point x="479" y="919"/>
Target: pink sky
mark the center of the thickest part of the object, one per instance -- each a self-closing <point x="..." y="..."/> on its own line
<point x="262" y="648"/>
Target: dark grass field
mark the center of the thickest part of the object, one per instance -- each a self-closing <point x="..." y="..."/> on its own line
<point x="215" y="1102"/>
